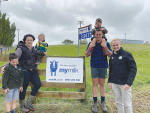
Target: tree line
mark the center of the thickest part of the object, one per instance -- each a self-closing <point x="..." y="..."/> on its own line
<point x="7" y="31"/>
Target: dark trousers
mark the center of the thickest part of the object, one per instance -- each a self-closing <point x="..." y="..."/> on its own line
<point x="33" y="77"/>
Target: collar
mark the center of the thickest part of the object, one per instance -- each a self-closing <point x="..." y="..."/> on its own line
<point x="119" y="51"/>
<point x="13" y="66"/>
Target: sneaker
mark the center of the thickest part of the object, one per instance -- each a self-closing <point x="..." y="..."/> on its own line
<point x="90" y="53"/>
<point x="103" y="106"/>
<point x="104" y="52"/>
<point x="94" y="107"/>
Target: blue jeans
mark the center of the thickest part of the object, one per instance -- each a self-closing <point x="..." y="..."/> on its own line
<point x="33" y="77"/>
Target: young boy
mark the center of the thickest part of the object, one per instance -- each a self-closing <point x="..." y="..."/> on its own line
<point x="122" y="72"/>
<point x="41" y="47"/>
<point x="98" y="24"/>
<point x="12" y="81"/>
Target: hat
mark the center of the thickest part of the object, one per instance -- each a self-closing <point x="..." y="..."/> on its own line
<point x="28" y="35"/>
<point x="98" y="20"/>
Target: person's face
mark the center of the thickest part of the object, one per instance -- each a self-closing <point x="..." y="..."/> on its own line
<point x="98" y="24"/>
<point x="13" y="62"/>
<point x="98" y="36"/>
<point x="41" y="38"/>
<point x="116" y="45"/>
<point x="29" y="41"/>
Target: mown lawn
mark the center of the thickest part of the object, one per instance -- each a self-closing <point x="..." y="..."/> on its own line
<point x="140" y="88"/>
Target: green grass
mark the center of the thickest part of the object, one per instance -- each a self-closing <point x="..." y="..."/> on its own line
<point x="140" y="86"/>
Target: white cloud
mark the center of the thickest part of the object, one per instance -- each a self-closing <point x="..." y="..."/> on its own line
<point x="58" y="19"/>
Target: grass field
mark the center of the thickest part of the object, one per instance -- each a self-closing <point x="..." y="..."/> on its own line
<point x="140" y="88"/>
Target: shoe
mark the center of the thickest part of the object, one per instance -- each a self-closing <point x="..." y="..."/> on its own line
<point x="22" y="106"/>
<point x="29" y="103"/>
<point x="104" y="52"/>
<point x="94" y="107"/>
<point x="90" y="53"/>
<point x="103" y="106"/>
<point x="13" y="111"/>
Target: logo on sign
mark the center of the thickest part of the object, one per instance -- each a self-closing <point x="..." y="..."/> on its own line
<point x="53" y="67"/>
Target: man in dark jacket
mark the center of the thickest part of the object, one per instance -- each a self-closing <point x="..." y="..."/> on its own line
<point x="122" y="72"/>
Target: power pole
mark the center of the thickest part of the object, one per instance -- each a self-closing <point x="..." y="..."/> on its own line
<point x="80" y="22"/>
<point x="125" y="37"/>
<point x="18" y="35"/>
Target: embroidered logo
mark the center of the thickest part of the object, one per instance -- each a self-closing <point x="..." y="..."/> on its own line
<point x="120" y="57"/>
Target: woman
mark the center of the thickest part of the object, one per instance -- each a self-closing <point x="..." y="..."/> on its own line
<point x="27" y="60"/>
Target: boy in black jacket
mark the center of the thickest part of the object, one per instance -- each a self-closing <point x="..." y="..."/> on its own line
<point x="122" y="72"/>
<point x="12" y="81"/>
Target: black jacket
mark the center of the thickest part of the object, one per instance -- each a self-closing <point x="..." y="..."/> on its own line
<point x="12" y="77"/>
<point x="122" y="68"/>
<point x="28" y="58"/>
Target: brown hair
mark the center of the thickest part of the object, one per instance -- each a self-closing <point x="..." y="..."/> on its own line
<point x="42" y="36"/>
<point x="98" y="20"/>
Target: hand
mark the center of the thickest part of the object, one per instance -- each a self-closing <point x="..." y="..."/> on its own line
<point x="102" y="29"/>
<point x="109" y="85"/>
<point x="45" y="53"/>
<point x="103" y="44"/>
<point x="6" y="90"/>
<point x="2" y="70"/>
<point x="92" y="45"/>
<point x="40" y="42"/>
<point x="21" y="89"/>
<point x="126" y="87"/>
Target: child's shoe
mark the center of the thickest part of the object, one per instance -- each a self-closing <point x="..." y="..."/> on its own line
<point x="90" y="53"/>
<point x="104" y="52"/>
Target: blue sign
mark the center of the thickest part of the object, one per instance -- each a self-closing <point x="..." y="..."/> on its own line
<point x="85" y="32"/>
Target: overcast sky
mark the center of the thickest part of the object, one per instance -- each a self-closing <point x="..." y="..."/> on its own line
<point x="58" y="19"/>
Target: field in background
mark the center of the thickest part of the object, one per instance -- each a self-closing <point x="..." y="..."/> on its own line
<point x="140" y="88"/>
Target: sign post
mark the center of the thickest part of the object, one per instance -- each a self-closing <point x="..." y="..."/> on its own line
<point x="83" y="33"/>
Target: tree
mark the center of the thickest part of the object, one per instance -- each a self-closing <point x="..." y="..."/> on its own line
<point x="67" y="42"/>
<point x="12" y="33"/>
<point x="7" y="31"/>
<point x="84" y="41"/>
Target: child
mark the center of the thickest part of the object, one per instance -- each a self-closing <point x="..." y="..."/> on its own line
<point x="12" y="81"/>
<point x="41" y="47"/>
<point x="98" y="24"/>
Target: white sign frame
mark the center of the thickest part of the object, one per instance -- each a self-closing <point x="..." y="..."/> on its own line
<point x="69" y="70"/>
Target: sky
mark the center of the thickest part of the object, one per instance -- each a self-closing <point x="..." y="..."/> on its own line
<point x="58" y="19"/>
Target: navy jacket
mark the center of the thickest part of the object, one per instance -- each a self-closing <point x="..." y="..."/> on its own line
<point x="122" y="68"/>
<point x="28" y="58"/>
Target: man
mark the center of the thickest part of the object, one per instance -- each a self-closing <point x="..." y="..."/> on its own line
<point x="122" y="72"/>
<point x="99" y="67"/>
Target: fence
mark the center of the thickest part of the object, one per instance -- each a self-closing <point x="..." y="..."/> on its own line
<point x="55" y="94"/>
<point x="4" y="49"/>
<point x="128" y="41"/>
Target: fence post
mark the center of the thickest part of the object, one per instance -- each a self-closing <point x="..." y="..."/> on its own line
<point x="84" y="80"/>
<point x="1" y="50"/>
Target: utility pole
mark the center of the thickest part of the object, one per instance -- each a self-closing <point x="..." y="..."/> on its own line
<point x="125" y="37"/>
<point x="80" y="22"/>
<point x="18" y="35"/>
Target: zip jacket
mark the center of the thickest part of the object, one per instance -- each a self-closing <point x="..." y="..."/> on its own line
<point x="122" y="68"/>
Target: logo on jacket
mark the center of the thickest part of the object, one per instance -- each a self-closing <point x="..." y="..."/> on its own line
<point x="53" y="67"/>
<point x="120" y="57"/>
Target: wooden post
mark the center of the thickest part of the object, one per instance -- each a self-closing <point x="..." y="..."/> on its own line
<point x="84" y="80"/>
<point x="1" y="50"/>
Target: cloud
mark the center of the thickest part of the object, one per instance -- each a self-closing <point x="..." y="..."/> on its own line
<point x="58" y="19"/>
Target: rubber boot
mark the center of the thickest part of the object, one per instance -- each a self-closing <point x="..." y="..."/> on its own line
<point x="29" y="103"/>
<point x="22" y="106"/>
<point x="13" y="111"/>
